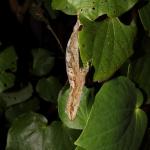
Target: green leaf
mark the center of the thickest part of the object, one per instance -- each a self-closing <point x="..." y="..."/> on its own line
<point x="116" y="122"/>
<point x="79" y="148"/>
<point x="14" y="111"/>
<point x="83" y="111"/>
<point x="64" y="6"/>
<point x="60" y="137"/>
<point x="43" y="61"/>
<point x="8" y="60"/>
<point x="107" y="44"/>
<point x="145" y="17"/>
<point x="48" y="88"/>
<point x="12" y="98"/>
<point x="6" y="81"/>
<point x="92" y="9"/>
<point x="31" y="132"/>
<point x="139" y="72"/>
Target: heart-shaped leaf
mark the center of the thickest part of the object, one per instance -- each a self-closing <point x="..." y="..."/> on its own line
<point x="6" y="81"/>
<point x="14" y="111"/>
<point x="116" y="122"/>
<point x="107" y="44"/>
<point x="83" y="111"/>
<point x="43" y="61"/>
<point x="92" y="9"/>
<point x="64" y="6"/>
<point x="8" y="60"/>
<point x="145" y="17"/>
<point x="12" y="98"/>
<point x="48" y="88"/>
<point x="31" y="132"/>
<point x="139" y="72"/>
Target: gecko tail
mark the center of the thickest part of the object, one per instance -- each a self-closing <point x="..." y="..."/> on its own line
<point x="72" y="109"/>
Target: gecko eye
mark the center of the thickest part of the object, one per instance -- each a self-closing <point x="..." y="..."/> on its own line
<point x="80" y="27"/>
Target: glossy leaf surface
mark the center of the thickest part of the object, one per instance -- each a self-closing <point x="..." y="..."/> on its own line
<point x="139" y="72"/>
<point x="31" y="132"/>
<point x="83" y="111"/>
<point x="92" y="9"/>
<point x="116" y="122"/>
<point x="48" y="88"/>
<point x="145" y="17"/>
<point x="106" y="44"/>
<point x="43" y="61"/>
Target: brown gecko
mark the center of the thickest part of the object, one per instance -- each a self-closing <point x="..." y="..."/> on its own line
<point x="76" y="75"/>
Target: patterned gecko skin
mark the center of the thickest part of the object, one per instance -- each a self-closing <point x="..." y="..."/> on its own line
<point x="76" y="75"/>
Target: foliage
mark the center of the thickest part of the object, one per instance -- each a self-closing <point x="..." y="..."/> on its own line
<point x="114" y="109"/>
<point x="7" y="62"/>
<point x="98" y="38"/>
<point x="30" y="131"/>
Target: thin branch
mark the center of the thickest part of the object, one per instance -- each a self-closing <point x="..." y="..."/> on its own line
<point x="37" y="12"/>
<point x="56" y="38"/>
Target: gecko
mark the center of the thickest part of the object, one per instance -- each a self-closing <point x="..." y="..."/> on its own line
<point x="76" y="75"/>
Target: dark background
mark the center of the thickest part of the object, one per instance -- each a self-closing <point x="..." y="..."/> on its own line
<point x="26" y="33"/>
